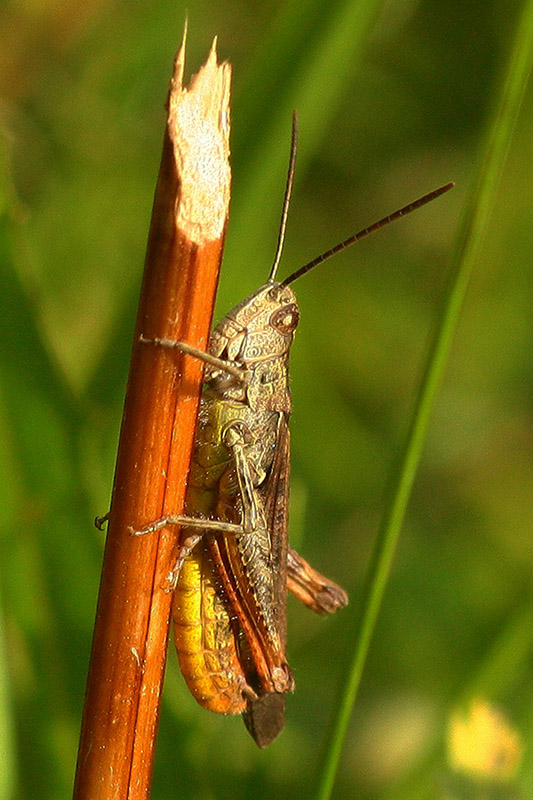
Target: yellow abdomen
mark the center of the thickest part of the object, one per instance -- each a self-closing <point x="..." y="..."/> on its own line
<point x="204" y="638"/>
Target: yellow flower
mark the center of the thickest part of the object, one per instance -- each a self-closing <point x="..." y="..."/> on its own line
<point x="483" y="744"/>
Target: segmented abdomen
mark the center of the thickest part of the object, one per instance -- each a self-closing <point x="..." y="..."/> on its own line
<point x="204" y="638"/>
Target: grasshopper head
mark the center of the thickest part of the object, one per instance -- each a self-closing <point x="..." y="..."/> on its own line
<point x="257" y="334"/>
<point x="261" y="328"/>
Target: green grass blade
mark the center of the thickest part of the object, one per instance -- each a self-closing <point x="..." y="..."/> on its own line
<point x="8" y="774"/>
<point x="472" y="229"/>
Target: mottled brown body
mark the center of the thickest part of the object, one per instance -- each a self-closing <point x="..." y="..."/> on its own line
<point x="241" y="429"/>
<point x="235" y="576"/>
<point x="234" y="568"/>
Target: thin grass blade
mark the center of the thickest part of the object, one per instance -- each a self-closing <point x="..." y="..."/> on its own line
<point x="472" y="229"/>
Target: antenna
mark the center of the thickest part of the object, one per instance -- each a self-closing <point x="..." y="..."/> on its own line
<point x="427" y="198"/>
<point x="287" y="198"/>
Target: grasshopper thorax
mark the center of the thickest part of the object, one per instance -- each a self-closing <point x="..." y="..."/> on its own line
<point x="257" y="335"/>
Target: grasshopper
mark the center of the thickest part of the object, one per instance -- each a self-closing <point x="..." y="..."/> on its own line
<point x="235" y="566"/>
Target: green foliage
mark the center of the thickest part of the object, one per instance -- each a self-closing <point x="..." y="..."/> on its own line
<point x="393" y="101"/>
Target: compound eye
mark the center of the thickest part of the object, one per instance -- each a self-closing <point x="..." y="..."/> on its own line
<point x="285" y="319"/>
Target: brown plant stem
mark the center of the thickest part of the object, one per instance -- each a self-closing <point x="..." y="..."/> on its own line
<point x="183" y="257"/>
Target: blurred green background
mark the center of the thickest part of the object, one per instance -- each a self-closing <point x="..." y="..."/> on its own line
<point x="393" y="98"/>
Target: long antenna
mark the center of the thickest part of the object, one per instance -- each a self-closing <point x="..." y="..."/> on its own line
<point x="427" y="198"/>
<point x="287" y="198"/>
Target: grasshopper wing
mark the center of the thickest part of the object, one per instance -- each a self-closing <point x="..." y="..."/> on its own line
<point x="265" y="717"/>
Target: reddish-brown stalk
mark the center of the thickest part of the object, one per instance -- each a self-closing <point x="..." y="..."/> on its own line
<point x="181" y="272"/>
